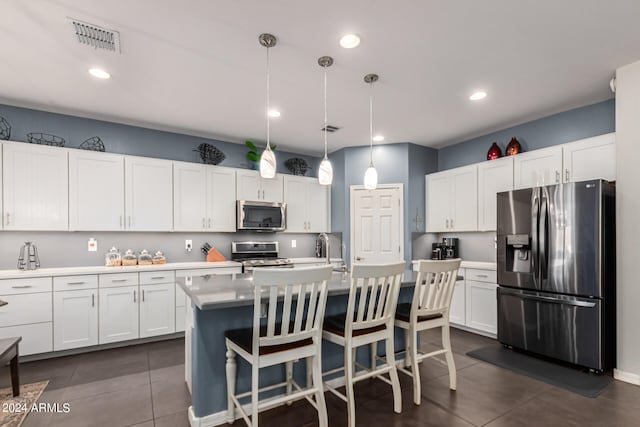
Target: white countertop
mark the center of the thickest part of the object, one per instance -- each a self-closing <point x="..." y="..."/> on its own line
<point x="75" y="271"/>
<point x="312" y="260"/>
<point x="481" y="265"/>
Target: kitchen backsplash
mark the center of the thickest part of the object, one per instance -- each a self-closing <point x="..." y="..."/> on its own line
<point x="65" y="249"/>
<point x="474" y="246"/>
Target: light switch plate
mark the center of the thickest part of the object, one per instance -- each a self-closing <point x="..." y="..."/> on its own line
<point x="293" y="243"/>
<point x="92" y="245"/>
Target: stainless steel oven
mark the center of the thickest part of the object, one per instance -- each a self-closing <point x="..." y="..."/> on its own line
<point x="261" y="216"/>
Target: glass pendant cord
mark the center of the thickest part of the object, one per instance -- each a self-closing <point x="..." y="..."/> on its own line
<point x="268" y="103"/>
<point x="325" y="111"/>
<point x="371" y="124"/>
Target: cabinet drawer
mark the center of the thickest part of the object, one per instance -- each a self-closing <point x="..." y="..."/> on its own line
<point x="478" y="275"/>
<point x="26" y="308"/>
<point x="208" y="271"/>
<point x="36" y="338"/>
<point x="72" y="283"/>
<point x="117" y="280"/>
<point x="25" y="286"/>
<point x="151" y="277"/>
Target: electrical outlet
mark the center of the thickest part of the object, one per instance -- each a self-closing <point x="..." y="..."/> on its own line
<point x="293" y="243"/>
<point x="92" y="245"/>
<point x="188" y="245"/>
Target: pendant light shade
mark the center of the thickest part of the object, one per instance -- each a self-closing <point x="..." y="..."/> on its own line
<point x="268" y="158"/>
<point x="371" y="175"/>
<point x="325" y="173"/>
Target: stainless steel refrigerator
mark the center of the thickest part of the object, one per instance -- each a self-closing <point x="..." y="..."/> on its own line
<point x="556" y="272"/>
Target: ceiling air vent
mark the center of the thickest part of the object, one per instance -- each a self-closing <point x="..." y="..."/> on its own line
<point x="95" y="36"/>
<point x="331" y="128"/>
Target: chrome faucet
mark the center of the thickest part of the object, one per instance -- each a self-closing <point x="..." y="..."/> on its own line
<point x="325" y="237"/>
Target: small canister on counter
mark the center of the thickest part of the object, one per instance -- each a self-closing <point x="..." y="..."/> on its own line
<point x="159" y="258"/>
<point x="113" y="258"/>
<point x="129" y="258"/>
<point x="145" y="258"/>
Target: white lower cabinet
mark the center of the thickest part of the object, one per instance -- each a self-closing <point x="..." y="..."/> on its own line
<point x="36" y="338"/>
<point x="157" y="309"/>
<point x="118" y="314"/>
<point x="481" y="306"/>
<point x="457" y="311"/>
<point x="75" y="319"/>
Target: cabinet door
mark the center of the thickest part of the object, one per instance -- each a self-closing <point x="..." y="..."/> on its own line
<point x="296" y="197"/>
<point x="189" y="197"/>
<point x="248" y="185"/>
<point x="118" y="314"/>
<point x="157" y="309"/>
<point x="272" y="189"/>
<point x="481" y="306"/>
<point x="438" y="202"/>
<point x="35" y="187"/>
<point x="1" y="211"/>
<point x="221" y="199"/>
<point x="494" y="177"/>
<point x="148" y="194"/>
<point x="537" y="168"/>
<point x="464" y="203"/>
<point x="317" y="207"/>
<point x="591" y="158"/>
<point x="457" y="312"/>
<point x="96" y="191"/>
<point x="75" y="319"/>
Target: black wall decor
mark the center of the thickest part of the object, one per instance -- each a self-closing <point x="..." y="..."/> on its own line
<point x="45" y="139"/>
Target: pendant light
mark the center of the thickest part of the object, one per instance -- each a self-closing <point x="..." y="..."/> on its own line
<point x="371" y="175"/>
<point x="268" y="159"/>
<point x="325" y="173"/>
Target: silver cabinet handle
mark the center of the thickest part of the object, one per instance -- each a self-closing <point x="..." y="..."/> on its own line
<point x="157" y="278"/>
<point x="118" y="280"/>
<point x="202" y="222"/>
<point x="134" y="296"/>
<point x="358" y="258"/>
<point x="93" y="300"/>
<point x="120" y="221"/>
<point x="262" y="194"/>
<point x="258" y="193"/>
<point x="209" y="222"/>
<point x="129" y="219"/>
<point x="21" y="286"/>
<point x="557" y="177"/>
<point x="143" y="295"/>
<point x="447" y="223"/>
<point x="566" y="175"/>
<point x="8" y="218"/>
<point x="75" y="283"/>
<point x="482" y="275"/>
<point x="451" y="222"/>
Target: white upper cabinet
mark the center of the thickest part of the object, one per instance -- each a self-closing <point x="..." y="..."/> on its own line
<point x="452" y="200"/>
<point x="189" y="197"/>
<point x="96" y="191"/>
<point x="591" y="158"/>
<point x="221" y="199"/>
<point x="250" y="186"/>
<point x="307" y="205"/>
<point x="538" y="168"/>
<point x="494" y="176"/>
<point x="148" y="194"/>
<point x="3" y="216"/>
<point x="35" y="187"/>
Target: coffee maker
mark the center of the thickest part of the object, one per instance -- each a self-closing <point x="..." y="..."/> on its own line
<point x="447" y="249"/>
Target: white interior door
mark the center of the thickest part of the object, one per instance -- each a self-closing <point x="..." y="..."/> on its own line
<point x="376" y="225"/>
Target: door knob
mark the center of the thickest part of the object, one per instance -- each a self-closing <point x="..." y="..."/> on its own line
<point x="359" y="258"/>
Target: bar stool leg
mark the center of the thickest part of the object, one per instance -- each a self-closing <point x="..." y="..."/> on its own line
<point x="407" y="353"/>
<point x="323" y="418"/>
<point x="310" y="372"/>
<point x="393" y="374"/>
<point x="349" y="365"/>
<point x="415" y="368"/>
<point x="374" y="353"/>
<point x="231" y="368"/>
<point x="254" y="393"/>
<point x="446" y="344"/>
<point x="289" y="375"/>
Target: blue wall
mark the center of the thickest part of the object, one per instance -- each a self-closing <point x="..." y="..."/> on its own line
<point x="572" y="125"/>
<point x="132" y="140"/>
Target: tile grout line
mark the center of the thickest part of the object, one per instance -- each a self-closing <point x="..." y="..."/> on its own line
<point x="515" y="407"/>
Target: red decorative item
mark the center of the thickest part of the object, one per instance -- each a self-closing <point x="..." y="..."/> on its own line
<point x="513" y="147"/>
<point x="494" y="152"/>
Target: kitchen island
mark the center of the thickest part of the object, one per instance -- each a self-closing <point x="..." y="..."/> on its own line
<point x="223" y="302"/>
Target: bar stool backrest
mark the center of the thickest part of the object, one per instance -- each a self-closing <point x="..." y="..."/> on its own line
<point x="304" y="297"/>
<point x="434" y="287"/>
<point x="373" y="295"/>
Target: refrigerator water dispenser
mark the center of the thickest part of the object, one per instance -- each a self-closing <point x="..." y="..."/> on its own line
<point x="518" y="253"/>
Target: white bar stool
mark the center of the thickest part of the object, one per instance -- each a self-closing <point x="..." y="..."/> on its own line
<point x="373" y="297"/>
<point x="429" y="309"/>
<point x="297" y="336"/>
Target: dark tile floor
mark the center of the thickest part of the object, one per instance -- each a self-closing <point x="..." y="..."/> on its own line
<point x="143" y="386"/>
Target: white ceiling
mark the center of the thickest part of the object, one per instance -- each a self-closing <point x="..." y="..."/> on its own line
<point x="196" y="66"/>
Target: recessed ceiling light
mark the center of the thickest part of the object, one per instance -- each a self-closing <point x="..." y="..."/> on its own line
<point x="349" y="41"/>
<point x="378" y="138"/>
<point x="477" y="96"/>
<point x="99" y="73"/>
<point x="274" y="113"/>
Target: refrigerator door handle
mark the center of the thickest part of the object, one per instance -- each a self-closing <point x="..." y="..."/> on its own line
<point x="575" y="303"/>
<point x="535" y="210"/>
<point x="543" y="237"/>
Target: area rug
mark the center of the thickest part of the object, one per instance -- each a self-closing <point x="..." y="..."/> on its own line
<point x="13" y="410"/>
<point x="568" y="378"/>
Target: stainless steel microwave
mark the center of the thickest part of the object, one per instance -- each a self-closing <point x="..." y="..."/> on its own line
<point x="261" y="216"/>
